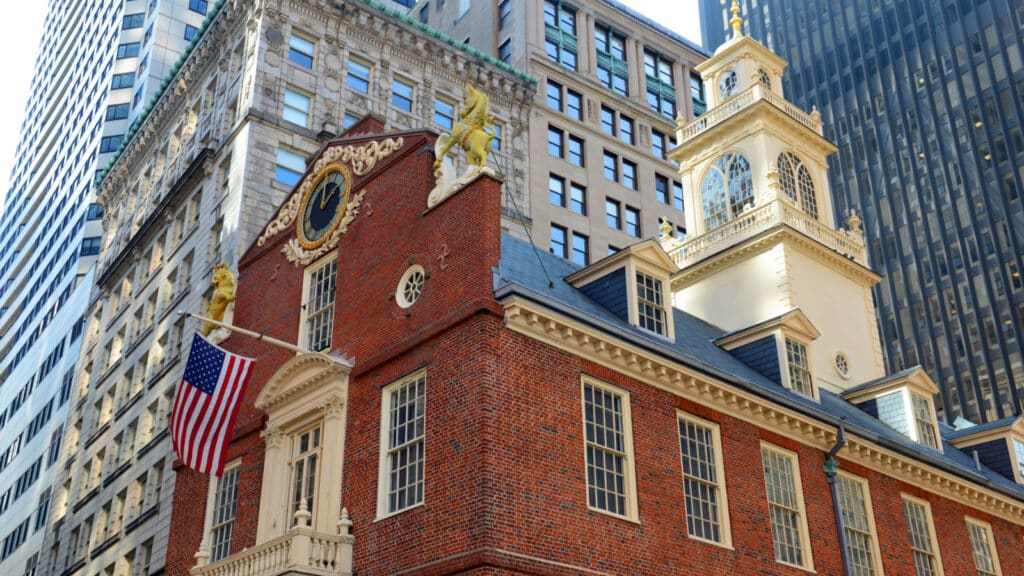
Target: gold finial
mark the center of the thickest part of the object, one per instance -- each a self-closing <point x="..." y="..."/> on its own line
<point x="736" y="22"/>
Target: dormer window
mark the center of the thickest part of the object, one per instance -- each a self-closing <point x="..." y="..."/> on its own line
<point x="998" y="445"/>
<point x="727" y="85"/>
<point x="799" y="368"/>
<point x="778" y="349"/>
<point x="924" y="421"/>
<point x="1018" y="453"/>
<point x="650" y="307"/>
<point x="904" y="402"/>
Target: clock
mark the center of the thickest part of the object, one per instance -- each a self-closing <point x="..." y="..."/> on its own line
<point x="323" y="206"/>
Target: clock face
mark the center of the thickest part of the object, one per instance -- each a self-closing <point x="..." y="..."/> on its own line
<point x="323" y="206"/>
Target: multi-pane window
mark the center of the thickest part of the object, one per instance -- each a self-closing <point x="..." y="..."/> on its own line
<point x="300" y="50"/>
<point x="224" y="511"/>
<point x="606" y="427"/>
<point x="577" y="199"/>
<point x="575" y="150"/>
<point x="296" y="107"/>
<point x="305" y="459"/>
<point x="559" y="241"/>
<point x="922" y="536"/>
<point x="661" y="92"/>
<point x="727" y="190"/>
<point x="861" y="547"/>
<point x="556" y="190"/>
<point x="983" y="548"/>
<point x="357" y="76"/>
<point x="650" y="303"/>
<point x="580" y="249"/>
<point x="785" y="506"/>
<point x="633" y="221"/>
<point x="319" y="305"/>
<point x="923" y="420"/>
<point x="290" y="166"/>
<point x="707" y="508"/>
<point x="613" y="213"/>
<point x="444" y="113"/>
<point x="560" y="33"/>
<point x="1018" y="450"/>
<point x="612" y="69"/>
<point x="555" y="138"/>
<point x="401" y="94"/>
<point x="404" y="411"/>
<point x="799" y="369"/>
<point x="796" y="183"/>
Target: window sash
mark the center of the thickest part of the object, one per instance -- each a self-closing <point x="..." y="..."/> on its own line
<point x="405" y="444"/>
<point x="920" y="532"/>
<point x="784" y="507"/>
<point x="605" y="445"/>
<point x="300" y="51"/>
<point x="357" y="76"/>
<point x="649" y="301"/>
<point x="224" y="512"/>
<point x="697" y="448"/>
<point x="296" y="107"/>
<point x="320" y="305"/>
<point x="982" y="549"/>
<point x="799" y="372"/>
<point x="860" y="539"/>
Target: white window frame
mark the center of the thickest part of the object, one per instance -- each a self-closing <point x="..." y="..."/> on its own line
<point x="929" y="525"/>
<point x="721" y="490"/>
<point x="641" y="303"/>
<point x="991" y="545"/>
<point x="296" y="455"/>
<point x="801" y="507"/>
<point x="293" y="113"/>
<point x="787" y="379"/>
<point x="865" y="488"/>
<point x="919" y="423"/>
<point x="213" y="502"/>
<point x="305" y="312"/>
<point x="633" y="291"/>
<point x="1018" y="457"/>
<point x="384" y="487"/>
<point x="629" y="467"/>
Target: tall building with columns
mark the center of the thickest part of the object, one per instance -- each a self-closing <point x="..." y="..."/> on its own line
<point x="611" y="84"/>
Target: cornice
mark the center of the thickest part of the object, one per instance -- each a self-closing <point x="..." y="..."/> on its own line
<point x="300" y="377"/>
<point x="544" y="325"/>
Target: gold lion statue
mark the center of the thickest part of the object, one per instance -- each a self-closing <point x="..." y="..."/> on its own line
<point x="473" y="132"/>
<point x="223" y="294"/>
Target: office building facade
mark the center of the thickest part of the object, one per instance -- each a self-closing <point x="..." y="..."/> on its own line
<point x="925" y="102"/>
<point x="611" y="84"/>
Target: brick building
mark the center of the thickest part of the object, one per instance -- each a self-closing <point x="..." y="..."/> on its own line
<point x="485" y="407"/>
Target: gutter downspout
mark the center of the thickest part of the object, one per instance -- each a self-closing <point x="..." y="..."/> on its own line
<point x="831" y="468"/>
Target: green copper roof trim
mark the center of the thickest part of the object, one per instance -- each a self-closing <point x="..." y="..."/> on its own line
<point x="451" y="41"/>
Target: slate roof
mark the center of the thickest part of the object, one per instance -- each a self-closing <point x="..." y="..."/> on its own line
<point x="952" y="434"/>
<point x="537" y="275"/>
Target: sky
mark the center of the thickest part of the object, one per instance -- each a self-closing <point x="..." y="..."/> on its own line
<point x="22" y="27"/>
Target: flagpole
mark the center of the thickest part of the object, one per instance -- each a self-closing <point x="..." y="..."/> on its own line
<point x="245" y="332"/>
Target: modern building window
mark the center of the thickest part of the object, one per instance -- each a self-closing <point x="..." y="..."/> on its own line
<point x="580" y="249"/>
<point x="127" y="50"/>
<point x="120" y="81"/>
<point x="799" y="369"/>
<point x="505" y="51"/>
<point x="577" y="199"/>
<point x="555" y="138"/>
<point x="626" y="130"/>
<point x="706" y="500"/>
<point x="504" y="11"/>
<point x="554" y="96"/>
<point x="650" y="303"/>
<point x="629" y="174"/>
<point x="402" y="94"/>
<point x="661" y="188"/>
<point x="117" y="111"/>
<point x="444" y="113"/>
<point x="575" y="150"/>
<point x="727" y="190"/>
<point x="611" y="166"/>
<point x="190" y="32"/>
<point x="296" y="107"/>
<point x="796" y="183"/>
<point x="859" y="525"/>
<point x="318" y="304"/>
<point x="402" y="444"/>
<point x="921" y="529"/>
<point x="358" y="76"/>
<point x="612" y="68"/>
<point x="95" y="212"/>
<point x="574" y="104"/>
<point x="677" y="195"/>
<point x="700" y="103"/>
<point x="559" y="241"/>
<point x="224" y="510"/>
<point x="983" y="547"/>
<point x="633" y="221"/>
<point x="556" y="190"/>
<point x="499" y="130"/>
<point x="607" y="121"/>
<point x="199" y="6"/>
<point x="304" y="464"/>
<point x="290" y="166"/>
<point x="923" y="420"/>
<point x="786" y="510"/>
<point x="613" y="213"/>
<point x="661" y="92"/>
<point x="133" y="21"/>
<point x="608" y="449"/>
<point x="658" y="144"/>
<point x="560" y="33"/>
<point x="90" y="246"/>
<point x="300" y="50"/>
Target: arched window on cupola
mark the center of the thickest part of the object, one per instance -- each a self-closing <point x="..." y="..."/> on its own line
<point x="797" y="184"/>
<point x="726" y="85"/>
<point x="727" y="190"/>
<point x="764" y="78"/>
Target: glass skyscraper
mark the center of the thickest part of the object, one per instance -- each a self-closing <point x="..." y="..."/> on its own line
<point x="924" y="100"/>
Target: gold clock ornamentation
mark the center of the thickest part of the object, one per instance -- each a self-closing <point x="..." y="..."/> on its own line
<point x="323" y="206"/>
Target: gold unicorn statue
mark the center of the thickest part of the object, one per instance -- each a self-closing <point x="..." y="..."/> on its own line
<point x="223" y="294"/>
<point x="473" y="132"/>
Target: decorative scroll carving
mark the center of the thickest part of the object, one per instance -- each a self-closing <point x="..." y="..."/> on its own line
<point x="296" y="254"/>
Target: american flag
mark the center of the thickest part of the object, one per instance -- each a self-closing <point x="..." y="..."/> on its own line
<point x="206" y="405"/>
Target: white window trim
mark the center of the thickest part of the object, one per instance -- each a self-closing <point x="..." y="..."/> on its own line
<point x="383" y="469"/>
<point x="991" y="541"/>
<point x="1017" y="464"/>
<point x="724" y="519"/>
<point x="780" y="340"/>
<point x="876" y="552"/>
<point x="931" y="528"/>
<point x="805" y="538"/>
<point x="306" y="280"/>
<point x="211" y="504"/>
<point x="632" y="511"/>
<point x="633" y="297"/>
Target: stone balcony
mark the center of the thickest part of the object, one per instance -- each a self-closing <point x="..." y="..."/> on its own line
<point x="763" y="218"/>
<point x="741" y="101"/>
